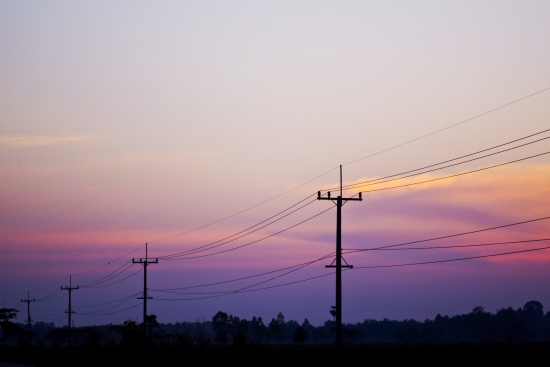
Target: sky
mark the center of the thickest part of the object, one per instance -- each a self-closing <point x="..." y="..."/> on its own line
<point x="182" y="123"/>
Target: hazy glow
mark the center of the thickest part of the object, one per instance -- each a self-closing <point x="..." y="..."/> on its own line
<point x="34" y="141"/>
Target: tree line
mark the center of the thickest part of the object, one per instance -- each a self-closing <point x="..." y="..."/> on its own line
<point x="526" y="324"/>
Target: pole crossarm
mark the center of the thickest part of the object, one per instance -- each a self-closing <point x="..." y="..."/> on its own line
<point x="360" y="198"/>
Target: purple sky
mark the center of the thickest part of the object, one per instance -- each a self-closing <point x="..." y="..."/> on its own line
<point x="125" y="123"/>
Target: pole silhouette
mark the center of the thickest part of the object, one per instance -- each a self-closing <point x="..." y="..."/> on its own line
<point x="70" y="311"/>
<point x="29" y="320"/>
<point x="145" y="296"/>
<point x="338" y="266"/>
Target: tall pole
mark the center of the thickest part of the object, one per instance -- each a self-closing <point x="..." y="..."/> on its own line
<point x="70" y="311"/>
<point x="339" y="202"/>
<point x="145" y="296"/>
<point x="28" y="302"/>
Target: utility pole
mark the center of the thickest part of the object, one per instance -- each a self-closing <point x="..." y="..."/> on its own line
<point x="339" y="202"/>
<point x="28" y="302"/>
<point x="70" y="311"/>
<point x="145" y="296"/>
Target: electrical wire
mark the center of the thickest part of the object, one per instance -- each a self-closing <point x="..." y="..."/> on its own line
<point x="290" y="269"/>
<point x="351" y="162"/>
<point x="242" y="278"/>
<point x="244" y="210"/>
<point x="109" y="313"/>
<point x="252" y="242"/>
<point x="451" y="176"/>
<point x="106" y="309"/>
<point x="53" y="299"/>
<point x="455" y="259"/>
<point x="108" y="303"/>
<point x="350" y="251"/>
<point x="122" y="269"/>
<point x="48" y="315"/>
<point x="461" y="246"/>
<point x="248" y="290"/>
<point x="448" y="127"/>
<point x="356" y="267"/>
<point x="394" y="177"/>
<point x="116" y="282"/>
<point x="110" y="262"/>
<point x="235" y="235"/>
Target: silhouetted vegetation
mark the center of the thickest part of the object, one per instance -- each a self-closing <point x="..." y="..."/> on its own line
<point x="227" y="336"/>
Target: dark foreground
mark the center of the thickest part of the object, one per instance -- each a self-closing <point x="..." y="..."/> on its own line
<point x="280" y="355"/>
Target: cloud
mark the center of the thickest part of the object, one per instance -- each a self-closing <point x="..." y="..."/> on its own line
<point x="21" y="141"/>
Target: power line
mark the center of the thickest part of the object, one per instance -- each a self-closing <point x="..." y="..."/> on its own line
<point x="451" y="176"/>
<point x="455" y="259"/>
<point x="51" y="314"/>
<point x="50" y="295"/>
<point x="394" y="177"/>
<point x="350" y="251"/>
<point x="355" y="267"/>
<point x="356" y="160"/>
<point x="52" y="299"/>
<point x="235" y="235"/>
<point x="242" y="211"/>
<point x="242" y="278"/>
<point x="115" y="282"/>
<point x="248" y="290"/>
<point x="108" y="303"/>
<point x="121" y="270"/>
<point x="252" y="242"/>
<point x="460" y="246"/>
<point x="111" y="313"/>
<point x="110" y="262"/>
<point x="292" y="269"/>
<point x="448" y="127"/>
<point x="108" y="308"/>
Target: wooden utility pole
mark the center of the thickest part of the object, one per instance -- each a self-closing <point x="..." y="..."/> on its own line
<point x="339" y="202"/>
<point x="145" y="296"/>
<point x="70" y="311"/>
<point x="28" y="302"/>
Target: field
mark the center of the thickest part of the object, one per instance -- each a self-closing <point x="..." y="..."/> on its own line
<point x="281" y="355"/>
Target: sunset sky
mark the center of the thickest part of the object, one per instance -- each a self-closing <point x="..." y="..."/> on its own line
<point x="180" y="123"/>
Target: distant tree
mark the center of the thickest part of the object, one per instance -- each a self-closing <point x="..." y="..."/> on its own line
<point x="277" y="327"/>
<point x="478" y="310"/>
<point x="220" y="324"/>
<point x="257" y="328"/>
<point x="233" y="325"/>
<point x="300" y="335"/>
<point x="201" y="336"/>
<point x="10" y="329"/>
<point x="533" y="314"/>
<point x="130" y="332"/>
<point x="533" y="310"/>
<point x="509" y="325"/>
<point x="290" y="327"/>
<point x="151" y="323"/>
<point x="7" y="314"/>
<point x="333" y="312"/>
